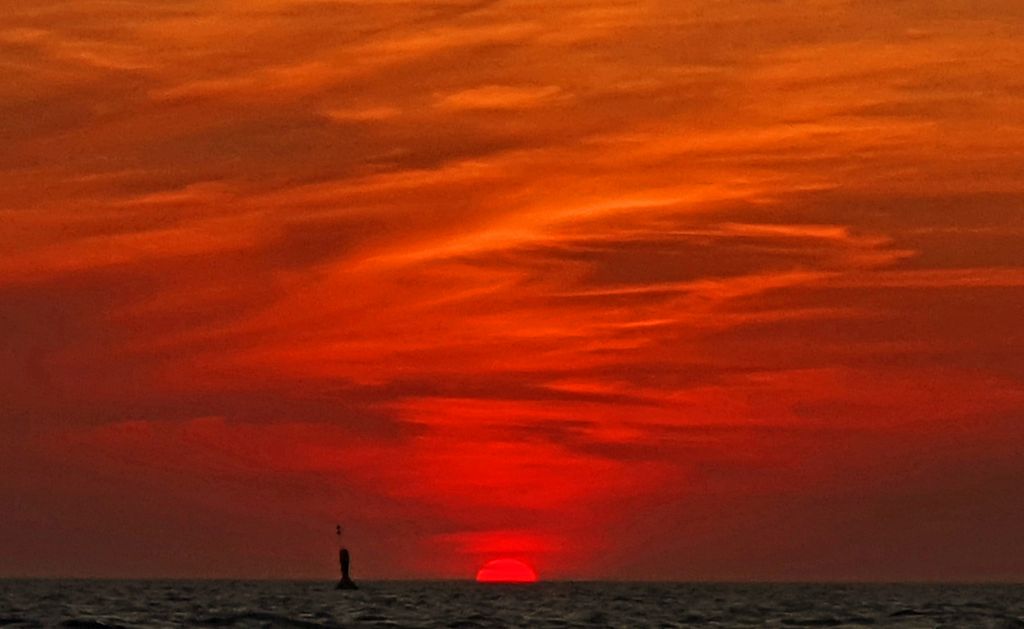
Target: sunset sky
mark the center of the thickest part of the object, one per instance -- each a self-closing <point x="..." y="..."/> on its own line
<point x="635" y="289"/>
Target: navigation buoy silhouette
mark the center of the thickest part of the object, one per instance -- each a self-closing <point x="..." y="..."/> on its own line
<point x="346" y="582"/>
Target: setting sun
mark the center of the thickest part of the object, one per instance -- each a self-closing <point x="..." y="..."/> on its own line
<point x="506" y="571"/>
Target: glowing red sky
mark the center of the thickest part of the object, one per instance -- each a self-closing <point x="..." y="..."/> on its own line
<point x="713" y="289"/>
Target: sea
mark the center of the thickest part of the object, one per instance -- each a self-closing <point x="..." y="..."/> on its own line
<point x="468" y="605"/>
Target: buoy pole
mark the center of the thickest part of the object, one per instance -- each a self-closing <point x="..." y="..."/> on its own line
<point x="344" y="559"/>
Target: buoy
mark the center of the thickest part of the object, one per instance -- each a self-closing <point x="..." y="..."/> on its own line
<point x="346" y="582"/>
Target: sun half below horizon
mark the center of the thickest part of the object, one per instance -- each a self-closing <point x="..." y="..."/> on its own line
<point x="651" y="290"/>
<point x="506" y="570"/>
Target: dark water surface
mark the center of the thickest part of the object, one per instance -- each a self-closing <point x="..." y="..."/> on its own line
<point x="97" y="604"/>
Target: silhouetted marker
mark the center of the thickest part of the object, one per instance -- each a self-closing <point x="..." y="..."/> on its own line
<point x="346" y="582"/>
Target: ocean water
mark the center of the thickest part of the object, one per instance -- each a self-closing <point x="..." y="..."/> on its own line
<point x="98" y="604"/>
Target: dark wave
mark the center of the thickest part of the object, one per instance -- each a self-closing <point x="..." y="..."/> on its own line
<point x="85" y="623"/>
<point x="275" y="620"/>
